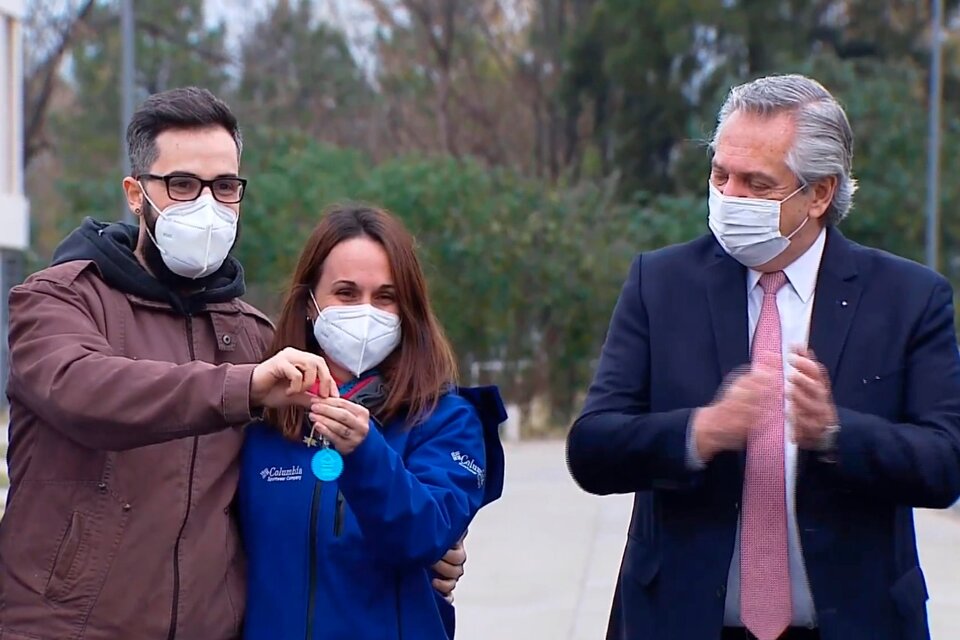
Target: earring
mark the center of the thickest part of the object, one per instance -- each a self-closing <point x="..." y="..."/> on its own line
<point x="137" y="211"/>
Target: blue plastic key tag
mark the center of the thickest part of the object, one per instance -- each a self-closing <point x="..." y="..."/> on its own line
<point x="327" y="464"/>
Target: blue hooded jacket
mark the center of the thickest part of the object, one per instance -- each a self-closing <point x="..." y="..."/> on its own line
<point x="350" y="558"/>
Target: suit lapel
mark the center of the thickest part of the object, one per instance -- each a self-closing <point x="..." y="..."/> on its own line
<point x="835" y="302"/>
<point x="727" y="295"/>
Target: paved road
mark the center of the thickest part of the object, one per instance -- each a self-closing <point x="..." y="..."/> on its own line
<point x="543" y="560"/>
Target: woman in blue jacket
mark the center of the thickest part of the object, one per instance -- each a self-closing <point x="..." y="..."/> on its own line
<point x="345" y="506"/>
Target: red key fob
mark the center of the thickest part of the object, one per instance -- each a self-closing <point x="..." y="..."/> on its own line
<point x="314" y="388"/>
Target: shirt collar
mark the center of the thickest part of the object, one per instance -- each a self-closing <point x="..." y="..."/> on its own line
<point x="802" y="272"/>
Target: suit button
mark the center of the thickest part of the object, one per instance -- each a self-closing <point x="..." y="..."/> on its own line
<point x="127" y="507"/>
<point x="102" y="487"/>
<point x="722" y="591"/>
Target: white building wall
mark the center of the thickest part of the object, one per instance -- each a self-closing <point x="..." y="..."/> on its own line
<point x="14" y="227"/>
<point x="14" y="218"/>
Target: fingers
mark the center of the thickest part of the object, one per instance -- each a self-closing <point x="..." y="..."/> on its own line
<point x="448" y="571"/>
<point x="335" y="412"/>
<point x="445" y="588"/>
<point x="806" y="366"/>
<point x="731" y="379"/>
<point x="802" y="350"/>
<point x="339" y="429"/>
<point x="317" y="379"/>
<point x="336" y="420"/>
<point x="335" y="438"/>
<point x="322" y="373"/>
<point x="456" y="555"/>
<point x="310" y="375"/>
<point x="809" y="399"/>
<point x="292" y="374"/>
<point x="751" y="386"/>
<point x="304" y="400"/>
<point x="804" y="360"/>
<point x="341" y="421"/>
<point x="804" y="405"/>
<point x="314" y="374"/>
<point x="743" y="396"/>
<point x="808" y="391"/>
<point x="351" y="407"/>
<point x="806" y="434"/>
<point x="802" y="384"/>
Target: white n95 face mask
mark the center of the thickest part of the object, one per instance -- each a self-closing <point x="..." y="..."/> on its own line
<point x="194" y="238"/>
<point x="358" y="337"/>
<point x="749" y="228"/>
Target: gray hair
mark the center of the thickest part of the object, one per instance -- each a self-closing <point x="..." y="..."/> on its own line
<point x="183" y="108"/>
<point x="823" y="145"/>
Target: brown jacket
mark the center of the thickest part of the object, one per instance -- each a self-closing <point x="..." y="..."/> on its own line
<point x="123" y="461"/>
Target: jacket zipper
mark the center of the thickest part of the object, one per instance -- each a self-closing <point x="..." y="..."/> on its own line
<point x="312" y="591"/>
<point x="399" y="616"/>
<point x="176" y="548"/>
<point x="338" y="515"/>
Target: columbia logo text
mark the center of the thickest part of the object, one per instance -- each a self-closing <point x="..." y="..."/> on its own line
<point x="282" y="474"/>
<point x="470" y="465"/>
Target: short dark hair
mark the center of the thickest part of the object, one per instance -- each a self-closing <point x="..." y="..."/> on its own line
<point x="182" y="108"/>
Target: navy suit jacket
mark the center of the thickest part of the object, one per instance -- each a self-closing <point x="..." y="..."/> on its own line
<point x="883" y="327"/>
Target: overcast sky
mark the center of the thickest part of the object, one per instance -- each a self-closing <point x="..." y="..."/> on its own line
<point x="238" y="14"/>
<point x="351" y="15"/>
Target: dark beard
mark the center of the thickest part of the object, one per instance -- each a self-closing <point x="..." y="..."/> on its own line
<point x="160" y="270"/>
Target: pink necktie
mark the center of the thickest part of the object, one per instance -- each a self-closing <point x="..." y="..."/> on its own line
<point x="765" y="605"/>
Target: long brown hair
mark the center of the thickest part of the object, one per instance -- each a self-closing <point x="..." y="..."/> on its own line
<point x="417" y="373"/>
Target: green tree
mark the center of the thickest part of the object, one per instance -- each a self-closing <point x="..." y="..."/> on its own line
<point x="520" y="273"/>
<point x="653" y="74"/>
<point x="299" y="74"/>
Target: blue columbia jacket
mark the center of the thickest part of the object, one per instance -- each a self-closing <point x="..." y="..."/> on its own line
<point x="350" y="559"/>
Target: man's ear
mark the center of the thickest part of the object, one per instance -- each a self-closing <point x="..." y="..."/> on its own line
<point x="134" y="195"/>
<point x="823" y="191"/>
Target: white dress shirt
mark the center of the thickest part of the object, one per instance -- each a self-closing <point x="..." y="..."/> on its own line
<point x="795" y="303"/>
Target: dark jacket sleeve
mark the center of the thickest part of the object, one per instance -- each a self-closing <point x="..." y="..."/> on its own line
<point x="418" y="506"/>
<point x="917" y="462"/>
<point x="617" y="445"/>
<point x="63" y="369"/>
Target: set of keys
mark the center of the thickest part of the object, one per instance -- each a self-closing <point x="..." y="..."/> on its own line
<point x="326" y="464"/>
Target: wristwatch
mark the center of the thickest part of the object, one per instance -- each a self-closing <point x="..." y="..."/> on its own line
<point x="828" y="443"/>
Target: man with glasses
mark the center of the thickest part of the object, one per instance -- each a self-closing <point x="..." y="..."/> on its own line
<point x="133" y="367"/>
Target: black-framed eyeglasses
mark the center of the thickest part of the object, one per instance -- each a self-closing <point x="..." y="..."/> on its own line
<point x="184" y="187"/>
